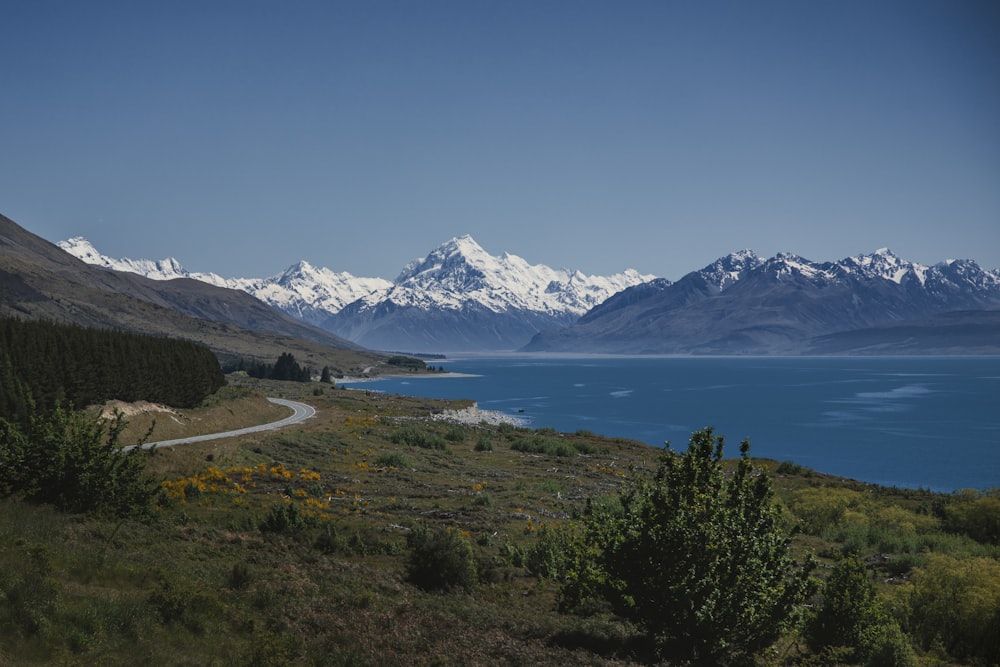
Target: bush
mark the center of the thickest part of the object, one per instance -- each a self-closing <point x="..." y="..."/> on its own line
<point x="455" y="434"/>
<point x="73" y="460"/>
<point x="955" y="603"/>
<point x="851" y="624"/>
<point x="415" y="437"/>
<point x="440" y="560"/>
<point x="484" y="444"/>
<point x="697" y="557"/>
<point x="283" y="518"/>
<point x="392" y="460"/>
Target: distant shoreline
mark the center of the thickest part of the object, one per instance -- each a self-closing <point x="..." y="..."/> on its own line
<point x="387" y="376"/>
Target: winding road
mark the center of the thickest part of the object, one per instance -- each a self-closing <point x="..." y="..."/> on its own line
<point x="300" y="412"/>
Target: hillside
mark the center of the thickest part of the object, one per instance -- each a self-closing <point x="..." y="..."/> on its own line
<point x="226" y="573"/>
<point x="40" y="280"/>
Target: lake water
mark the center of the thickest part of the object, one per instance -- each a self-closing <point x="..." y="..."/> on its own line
<point x="931" y="422"/>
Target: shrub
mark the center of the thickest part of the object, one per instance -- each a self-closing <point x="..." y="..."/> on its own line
<point x="484" y="444"/>
<point x="73" y="460"/>
<point x="440" y="560"/>
<point x="415" y="437"/>
<point x="392" y="460"/>
<point x="852" y="624"/>
<point x="955" y="603"/>
<point x="697" y="557"/>
<point x="283" y="518"/>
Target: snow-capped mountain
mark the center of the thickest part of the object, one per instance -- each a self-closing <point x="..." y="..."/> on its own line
<point x="162" y="269"/>
<point x="460" y="298"/>
<point x="743" y="304"/>
<point x="303" y="291"/>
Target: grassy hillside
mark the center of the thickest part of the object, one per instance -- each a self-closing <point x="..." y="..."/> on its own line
<point x="290" y="547"/>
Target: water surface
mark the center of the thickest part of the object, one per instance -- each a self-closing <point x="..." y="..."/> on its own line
<point x="931" y="422"/>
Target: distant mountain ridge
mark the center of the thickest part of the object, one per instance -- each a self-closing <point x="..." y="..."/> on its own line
<point x="457" y="298"/>
<point x="39" y="280"/>
<point x="743" y="304"/>
<point x="302" y="290"/>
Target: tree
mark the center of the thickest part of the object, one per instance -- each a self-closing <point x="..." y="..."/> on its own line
<point x="851" y="625"/>
<point x="325" y="375"/>
<point x="440" y="560"/>
<point x="697" y="557"/>
<point x="73" y="460"/>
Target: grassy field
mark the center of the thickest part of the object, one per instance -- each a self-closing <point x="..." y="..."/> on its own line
<point x="290" y="547"/>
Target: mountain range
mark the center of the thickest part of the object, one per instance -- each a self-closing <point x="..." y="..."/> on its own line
<point x="461" y="298"/>
<point x="457" y="298"/>
<point x="40" y="280"/>
<point x="743" y="304"/>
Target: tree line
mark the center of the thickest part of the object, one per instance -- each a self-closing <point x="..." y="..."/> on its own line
<point x="285" y="368"/>
<point x="44" y="365"/>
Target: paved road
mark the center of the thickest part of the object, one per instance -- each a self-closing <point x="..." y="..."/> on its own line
<point x="301" y="412"/>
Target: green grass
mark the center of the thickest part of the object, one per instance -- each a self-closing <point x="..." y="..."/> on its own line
<point x="326" y="583"/>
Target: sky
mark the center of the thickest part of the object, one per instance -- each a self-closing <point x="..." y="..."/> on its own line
<point x="243" y="136"/>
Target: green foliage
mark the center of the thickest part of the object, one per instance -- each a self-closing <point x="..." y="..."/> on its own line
<point x="283" y="518"/>
<point x="43" y="365"/>
<point x="696" y="557"/>
<point x="484" y="444"/>
<point x="408" y="363"/>
<point x="73" y="461"/>
<point x="455" y="433"/>
<point x="539" y="443"/>
<point x="285" y="368"/>
<point x="955" y="604"/>
<point x="392" y="460"/>
<point x="415" y="437"/>
<point x="974" y="514"/>
<point x="440" y="560"/>
<point x="852" y="625"/>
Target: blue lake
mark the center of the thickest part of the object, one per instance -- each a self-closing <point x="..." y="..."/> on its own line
<point x="931" y="422"/>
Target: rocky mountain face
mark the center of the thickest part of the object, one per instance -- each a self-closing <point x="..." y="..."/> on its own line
<point x="743" y="304"/>
<point x="457" y="298"/>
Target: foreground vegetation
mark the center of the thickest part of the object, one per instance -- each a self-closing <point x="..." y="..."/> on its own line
<point x="374" y="535"/>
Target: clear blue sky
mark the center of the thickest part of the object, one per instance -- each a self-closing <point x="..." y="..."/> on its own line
<point x="243" y="136"/>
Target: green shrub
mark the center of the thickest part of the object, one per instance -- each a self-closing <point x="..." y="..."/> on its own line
<point x="415" y="437"/>
<point x="283" y="518"/>
<point x="697" y="557"/>
<point x="455" y="434"/>
<point x="440" y="560"/>
<point x="484" y="444"/>
<point x="392" y="460"/>
<point x="73" y="460"/>
<point x="851" y="623"/>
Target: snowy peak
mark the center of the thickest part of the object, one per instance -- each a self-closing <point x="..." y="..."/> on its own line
<point x="460" y="273"/>
<point x="302" y="290"/>
<point x="164" y="269"/>
<point x="883" y="264"/>
<point x="728" y="270"/>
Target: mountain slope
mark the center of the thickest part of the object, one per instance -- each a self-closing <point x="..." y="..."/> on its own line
<point x="39" y="280"/>
<point x="302" y="291"/>
<point x="742" y="304"/>
<point x="461" y="298"/>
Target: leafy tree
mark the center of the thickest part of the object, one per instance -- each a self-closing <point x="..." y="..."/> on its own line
<point x="696" y="556"/>
<point x="73" y="461"/>
<point x="440" y="560"/>
<point x="852" y="625"/>
<point x="325" y="375"/>
<point x="955" y="603"/>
